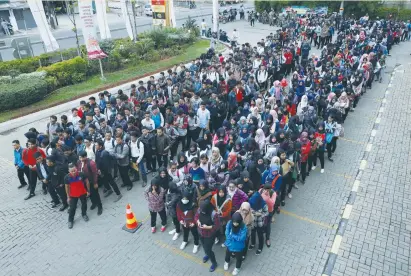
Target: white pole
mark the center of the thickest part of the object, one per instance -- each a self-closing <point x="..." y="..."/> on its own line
<point x="216" y="16"/>
<point x="342" y="8"/>
<point x="101" y="70"/>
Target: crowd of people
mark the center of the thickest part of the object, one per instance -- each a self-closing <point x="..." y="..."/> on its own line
<point x="227" y="138"/>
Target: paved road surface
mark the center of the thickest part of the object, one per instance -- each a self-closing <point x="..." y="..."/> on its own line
<point x="34" y="239"/>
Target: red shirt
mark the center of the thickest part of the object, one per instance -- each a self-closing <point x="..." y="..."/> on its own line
<point x="28" y="156"/>
<point x="288" y="57"/>
<point x="305" y="150"/>
<point x="221" y="59"/>
<point x="77" y="184"/>
<point x="239" y="94"/>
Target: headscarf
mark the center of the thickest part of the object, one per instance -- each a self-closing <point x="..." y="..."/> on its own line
<point x="330" y="96"/>
<point x="163" y="181"/>
<point x="243" y="134"/>
<point x="220" y="200"/>
<point x="343" y="99"/>
<point x="179" y="163"/>
<point x="232" y="160"/>
<point x="204" y="183"/>
<point x="304" y="101"/>
<point x="215" y="160"/>
<point x="304" y="138"/>
<point x="260" y="138"/>
<point x="256" y="201"/>
<point x="206" y="211"/>
<point x="189" y="206"/>
<point x="274" y="114"/>
<point x="249" y="218"/>
<point x="238" y="219"/>
<point x="275" y="160"/>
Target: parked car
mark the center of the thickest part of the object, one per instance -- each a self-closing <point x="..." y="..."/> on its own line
<point x="147" y="10"/>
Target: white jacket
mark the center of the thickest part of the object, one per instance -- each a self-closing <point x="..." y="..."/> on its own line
<point x="137" y="150"/>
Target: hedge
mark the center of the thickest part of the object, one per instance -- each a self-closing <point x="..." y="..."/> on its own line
<point x="67" y="72"/>
<point x="383" y="12"/>
<point x="22" y="92"/>
<point x="26" y="65"/>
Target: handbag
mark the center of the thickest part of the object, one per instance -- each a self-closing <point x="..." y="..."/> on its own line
<point x="329" y="137"/>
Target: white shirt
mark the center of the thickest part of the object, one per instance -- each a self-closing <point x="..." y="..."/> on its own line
<point x="43" y="171"/>
<point x="262" y="76"/>
<point x="256" y="63"/>
<point x="90" y="152"/>
<point x="212" y="76"/>
<point x="203" y="26"/>
<point x="137" y="151"/>
<point x="75" y="121"/>
<point x="203" y="117"/>
<point x="236" y="35"/>
<point x="148" y="124"/>
<point x="108" y="145"/>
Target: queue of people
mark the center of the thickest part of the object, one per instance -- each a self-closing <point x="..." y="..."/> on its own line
<point x="231" y="136"/>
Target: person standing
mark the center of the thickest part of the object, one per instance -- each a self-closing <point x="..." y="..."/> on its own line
<point x="103" y="162"/>
<point x="55" y="182"/>
<point x="77" y="187"/>
<point x="137" y="154"/>
<point x="155" y="195"/>
<point x="162" y="145"/>
<point x="203" y="28"/>
<point x="269" y="197"/>
<point x="121" y="154"/>
<point x="19" y="164"/>
<point x="208" y="223"/>
<point x="89" y="168"/>
<point x="236" y="236"/>
<point x="204" y="118"/>
<point x="259" y="210"/>
<point x="29" y="160"/>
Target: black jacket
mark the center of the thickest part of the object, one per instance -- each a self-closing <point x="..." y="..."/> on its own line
<point x="56" y="175"/>
<point x="103" y="161"/>
<point x="39" y="173"/>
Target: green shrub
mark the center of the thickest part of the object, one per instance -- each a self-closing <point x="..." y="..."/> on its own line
<point x="67" y="72"/>
<point x="383" y="12"/>
<point x="152" y="56"/>
<point x="26" y="65"/>
<point x="23" y="92"/>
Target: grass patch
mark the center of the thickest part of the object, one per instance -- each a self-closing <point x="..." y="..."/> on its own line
<point x="93" y="84"/>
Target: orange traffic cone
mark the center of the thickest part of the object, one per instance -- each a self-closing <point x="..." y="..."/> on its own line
<point x="132" y="224"/>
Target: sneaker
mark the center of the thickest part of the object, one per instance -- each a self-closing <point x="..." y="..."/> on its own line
<point x="118" y="197"/>
<point x="163" y="228"/>
<point x="195" y="249"/>
<point x="213" y="267"/>
<point x="283" y="203"/>
<point x="183" y="245"/>
<point x="205" y="259"/>
<point x="172" y="232"/>
<point x="21" y="186"/>
<point x="223" y="245"/>
<point x="153" y="230"/>
<point x="70" y="224"/>
<point x="251" y="247"/>
<point x="129" y="187"/>
<point x="236" y="271"/>
<point x="85" y="217"/>
<point x="322" y="170"/>
<point x="99" y="211"/>
<point x="226" y="266"/>
<point x="302" y="182"/>
<point x="313" y="168"/>
<point x="268" y="243"/>
<point x="272" y="219"/>
<point x="258" y="252"/>
<point x="175" y="237"/>
<point x="29" y="196"/>
<point x="62" y="208"/>
<point x="216" y="240"/>
<point x="54" y="205"/>
<point x="109" y="192"/>
<point x="290" y="196"/>
<point x="92" y="207"/>
<point x="296" y="186"/>
<point x="144" y="183"/>
<point x="330" y="159"/>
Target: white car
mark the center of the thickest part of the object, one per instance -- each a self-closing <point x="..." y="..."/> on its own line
<point x="147" y="10"/>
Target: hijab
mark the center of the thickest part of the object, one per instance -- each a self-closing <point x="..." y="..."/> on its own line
<point x="206" y="211"/>
<point x="233" y="160"/>
<point x="256" y="201"/>
<point x="304" y="138"/>
<point x="179" y="163"/>
<point x="206" y="190"/>
<point x="215" y="160"/>
<point x="189" y="206"/>
<point x="220" y="200"/>
<point x="237" y="218"/>
<point x="249" y="218"/>
<point x="260" y="138"/>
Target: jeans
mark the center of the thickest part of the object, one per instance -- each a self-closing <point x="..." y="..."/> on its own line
<point x="320" y="155"/>
<point x="203" y="32"/>
<point x="141" y="169"/>
<point x="238" y="258"/>
<point x="123" y="170"/>
<point x="32" y="181"/>
<point x="73" y="206"/>
<point x="95" y="197"/>
<point x="177" y="224"/>
<point x="108" y="182"/>
<point x="208" y="248"/>
<point x="163" y="217"/>
<point x="287" y="185"/>
<point x="21" y="172"/>
<point x="268" y="226"/>
<point x="194" y="232"/>
<point x="259" y="231"/>
<point x="303" y="170"/>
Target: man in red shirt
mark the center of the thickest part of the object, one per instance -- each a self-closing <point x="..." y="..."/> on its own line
<point x="29" y="160"/>
<point x="77" y="187"/>
<point x="288" y="56"/>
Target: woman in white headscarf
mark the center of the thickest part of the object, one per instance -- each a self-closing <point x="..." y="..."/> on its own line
<point x="303" y="104"/>
<point x="260" y="139"/>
